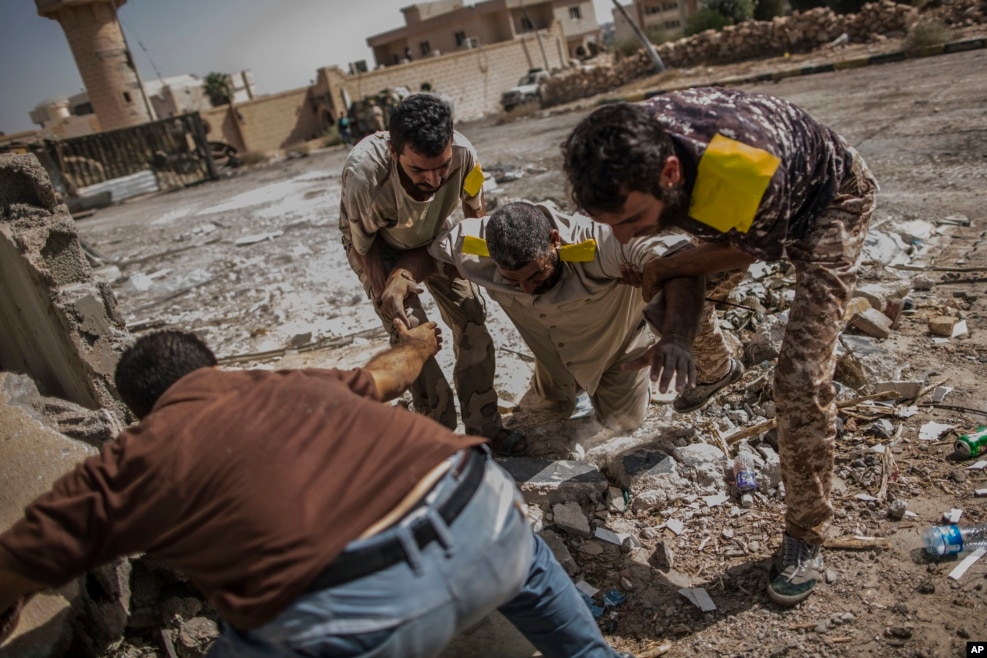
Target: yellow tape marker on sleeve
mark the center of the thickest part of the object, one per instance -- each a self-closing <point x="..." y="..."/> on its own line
<point x="473" y="182"/>
<point x="583" y="252"/>
<point x="475" y="246"/>
<point x="731" y="180"/>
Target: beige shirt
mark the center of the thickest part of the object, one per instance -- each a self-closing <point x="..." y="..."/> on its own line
<point x="589" y="320"/>
<point x="374" y="201"/>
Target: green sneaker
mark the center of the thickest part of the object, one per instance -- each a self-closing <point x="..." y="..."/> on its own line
<point x="796" y="568"/>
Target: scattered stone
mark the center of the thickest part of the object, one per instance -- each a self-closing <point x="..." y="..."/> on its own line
<point x="195" y="637"/>
<point x="571" y="519"/>
<point x="897" y="509"/>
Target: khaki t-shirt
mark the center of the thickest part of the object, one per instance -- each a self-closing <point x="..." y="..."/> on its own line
<point x="375" y="203"/>
<point x="588" y="321"/>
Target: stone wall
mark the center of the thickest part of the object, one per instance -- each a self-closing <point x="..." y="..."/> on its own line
<point x="800" y="32"/>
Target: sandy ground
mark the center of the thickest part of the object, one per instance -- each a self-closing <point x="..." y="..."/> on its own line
<point x="254" y="264"/>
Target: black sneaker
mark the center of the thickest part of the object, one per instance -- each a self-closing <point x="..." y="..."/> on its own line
<point x="693" y="398"/>
<point x="795" y="570"/>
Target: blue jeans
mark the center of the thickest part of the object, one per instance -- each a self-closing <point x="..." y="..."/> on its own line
<point x="487" y="559"/>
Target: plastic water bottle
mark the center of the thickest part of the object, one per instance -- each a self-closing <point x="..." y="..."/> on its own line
<point x="951" y="539"/>
<point x="744" y="478"/>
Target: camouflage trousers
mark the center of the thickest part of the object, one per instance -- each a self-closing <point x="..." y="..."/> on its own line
<point x="463" y="310"/>
<point x="826" y="263"/>
<point x="710" y="349"/>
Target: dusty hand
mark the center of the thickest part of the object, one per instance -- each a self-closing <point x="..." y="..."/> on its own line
<point x="630" y="275"/>
<point x="669" y="356"/>
<point x="427" y="336"/>
<point x="653" y="278"/>
<point x="398" y="290"/>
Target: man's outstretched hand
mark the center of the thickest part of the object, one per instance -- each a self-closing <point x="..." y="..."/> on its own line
<point x="669" y="357"/>
<point x="427" y="337"/>
<point x="399" y="289"/>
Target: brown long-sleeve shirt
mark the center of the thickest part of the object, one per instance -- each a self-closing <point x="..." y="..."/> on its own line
<point x="249" y="482"/>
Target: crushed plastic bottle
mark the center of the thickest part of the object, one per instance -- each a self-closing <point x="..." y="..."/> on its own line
<point x="745" y="478"/>
<point x="952" y="539"/>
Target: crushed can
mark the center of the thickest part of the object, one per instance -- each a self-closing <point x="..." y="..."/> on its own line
<point x="973" y="444"/>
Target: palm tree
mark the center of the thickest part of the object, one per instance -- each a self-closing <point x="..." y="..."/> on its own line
<point x="219" y="88"/>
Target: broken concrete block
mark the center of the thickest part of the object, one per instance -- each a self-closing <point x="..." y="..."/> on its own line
<point x="570" y="518"/>
<point x="33" y="457"/>
<point x="544" y="482"/>
<point x="195" y="637"/>
<point x="942" y="325"/>
<point x="872" y="322"/>
<point x="615" y="500"/>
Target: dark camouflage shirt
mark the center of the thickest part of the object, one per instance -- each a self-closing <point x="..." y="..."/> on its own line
<point x="813" y="160"/>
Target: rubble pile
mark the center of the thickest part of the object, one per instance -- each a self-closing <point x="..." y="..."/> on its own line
<point x="800" y="32"/>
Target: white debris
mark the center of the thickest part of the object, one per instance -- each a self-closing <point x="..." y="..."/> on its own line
<point x="967" y="562"/>
<point x="698" y="597"/>
<point x="931" y="431"/>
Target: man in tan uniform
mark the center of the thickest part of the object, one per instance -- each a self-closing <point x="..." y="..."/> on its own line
<point x="398" y="189"/>
<point x="559" y="278"/>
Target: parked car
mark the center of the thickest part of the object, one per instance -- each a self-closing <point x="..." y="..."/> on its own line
<point x="528" y="89"/>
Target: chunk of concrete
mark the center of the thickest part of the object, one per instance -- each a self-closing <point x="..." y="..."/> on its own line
<point x="872" y="322"/>
<point x="33" y="457"/>
<point x="544" y="482"/>
<point x="569" y="517"/>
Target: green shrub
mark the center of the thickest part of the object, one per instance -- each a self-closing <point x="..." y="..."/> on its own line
<point x="924" y="34"/>
<point x="627" y="47"/>
<point x="705" y="19"/>
<point x="765" y="10"/>
<point x="736" y="11"/>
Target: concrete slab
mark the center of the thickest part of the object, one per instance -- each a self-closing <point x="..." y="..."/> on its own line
<point x="33" y="457"/>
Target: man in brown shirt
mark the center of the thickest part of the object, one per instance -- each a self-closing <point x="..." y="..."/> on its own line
<point x="286" y="496"/>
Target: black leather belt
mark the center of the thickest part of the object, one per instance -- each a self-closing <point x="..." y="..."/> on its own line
<point x="350" y="565"/>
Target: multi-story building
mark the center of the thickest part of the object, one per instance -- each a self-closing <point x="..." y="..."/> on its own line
<point x="446" y="26"/>
<point x="659" y="19"/>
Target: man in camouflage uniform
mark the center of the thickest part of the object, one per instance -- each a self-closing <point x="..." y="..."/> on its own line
<point x="756" y="178"/>
<point x="561" y="278"/>
<point x="398" y="189"/>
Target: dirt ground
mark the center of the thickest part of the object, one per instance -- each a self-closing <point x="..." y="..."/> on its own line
<point x="253" y="263"/>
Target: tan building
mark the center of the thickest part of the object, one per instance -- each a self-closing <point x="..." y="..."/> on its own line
<point x="446" y="26"/>
<point x="659" y="19"/>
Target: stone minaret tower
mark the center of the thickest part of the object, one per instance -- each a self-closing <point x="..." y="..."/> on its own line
<point x="101" y="53"/>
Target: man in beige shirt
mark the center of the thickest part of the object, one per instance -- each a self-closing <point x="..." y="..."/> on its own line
<point x="560" y="278"/>
<point x="398" y="189"/>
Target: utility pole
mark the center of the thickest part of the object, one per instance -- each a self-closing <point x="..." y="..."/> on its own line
<point x="541" y="46"/>
<point x="652" y="53"/>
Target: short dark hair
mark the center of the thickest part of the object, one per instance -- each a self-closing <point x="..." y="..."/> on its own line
<point x="423" y="122"/>
<point x="617" y="149"/>
<point x="517" y="233"/>
<point x="154" y="362"/>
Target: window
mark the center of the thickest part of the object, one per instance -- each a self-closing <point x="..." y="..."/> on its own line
<point x="126" y="97"/>
<point x="527" y="25"/>
<point x="575" y="14"/>
<point x="652" y="9"/>
<point x="424" y="48"/>
<point x="460" y="38"/>
<point x="673" y="25"/>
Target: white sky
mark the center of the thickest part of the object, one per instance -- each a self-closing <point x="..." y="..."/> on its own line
<point x="283" y="42"/>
